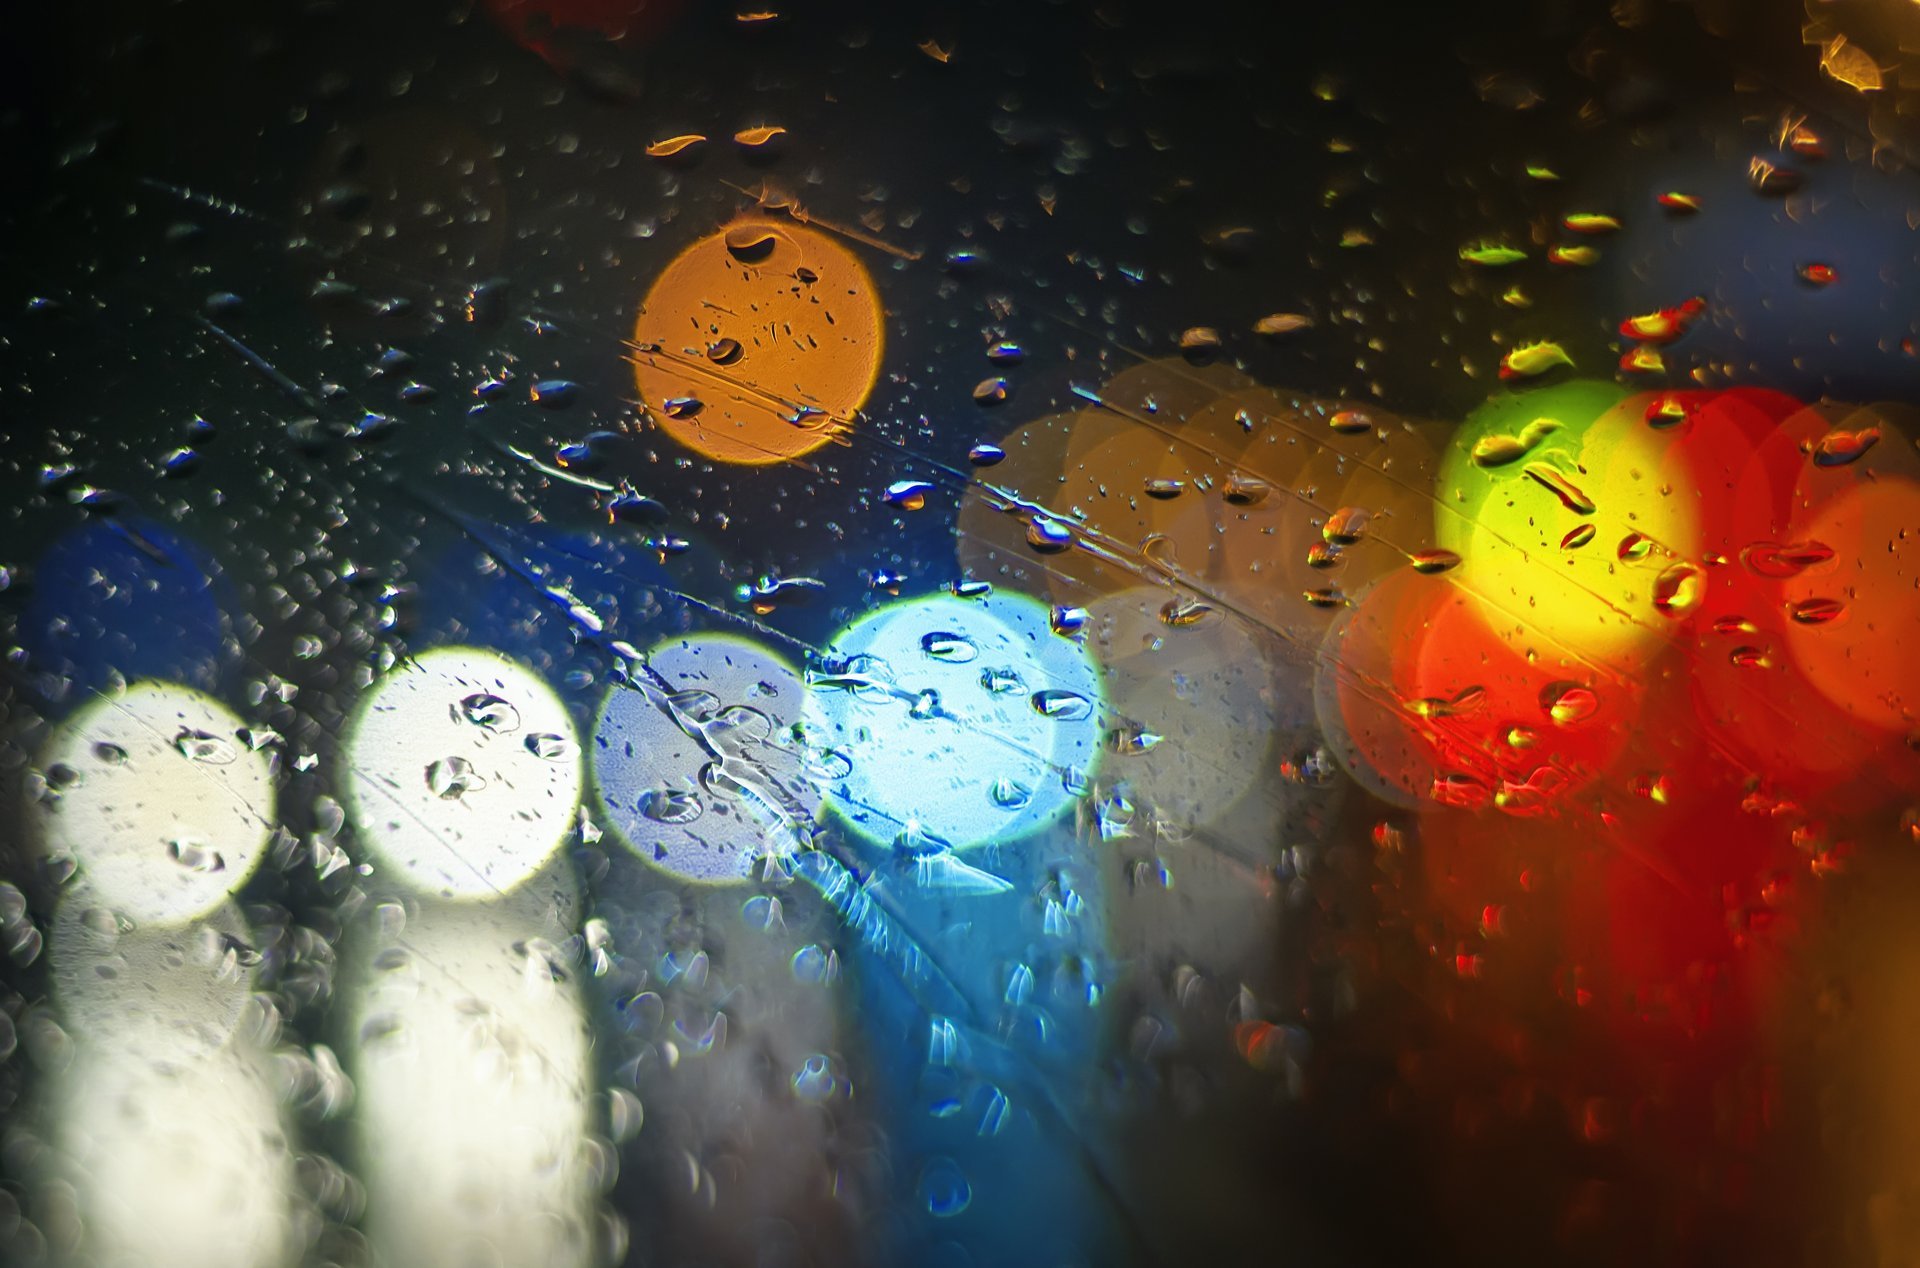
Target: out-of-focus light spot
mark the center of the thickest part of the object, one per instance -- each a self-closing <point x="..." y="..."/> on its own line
<point x="463" y="772"/>
<point x="1204" y="688"/>
<point x="1503" y="522"/>
<point x="806" y="318"/>
<point x="934" y="744"/>
<point x="698" y="766"/>
<point x="155" y="796"/>
<point x="120" y="599"/>
<point x="165" y="1124"/>
<point x="1868" y="604"/>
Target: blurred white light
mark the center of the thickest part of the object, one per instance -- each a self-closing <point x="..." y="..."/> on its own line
<point x="166" y="1124"/>
<point x="703" y="776"/>
<point x="152" y="793"/>
<point x="463" y="772"/>
<point x="471" y="1060"/>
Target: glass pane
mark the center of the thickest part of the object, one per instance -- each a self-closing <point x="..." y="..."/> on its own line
<point x="641" y="632"/>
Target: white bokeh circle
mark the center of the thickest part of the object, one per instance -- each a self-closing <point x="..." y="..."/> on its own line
<point x="463" y="772"/>
<point x="710" y="781"/>
<point x="153" y="795"/>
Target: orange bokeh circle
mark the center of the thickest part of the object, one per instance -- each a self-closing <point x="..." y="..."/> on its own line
<point x="758" y="342"/>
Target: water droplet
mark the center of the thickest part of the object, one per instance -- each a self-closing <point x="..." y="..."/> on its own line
<point x="629" y="507"/>
<point x="671" y="805"/>
<point x="1817" y="611"/>
<point x="549" y="747"/>
<point x="373" y="428"/>
<point x="198" y="746"/>
<point x="1244" y="490"/>
<point x="1468" y="700"/>
<point x="827" y="765"/>
<point x="488" y="712"/>
<point x="756" y="138"/>
<point x="1199" y="343"/>
<point x="1010" y="794"/>
<point x="815" y="1082"/>
<point x="1769" y="178"/>
<point x="724" y="351"/>
<point x="994" y="1110"/>
<point x="1165" y="489"/>
<point x="453" y="777"/>
<point x="682" y="406"/>
<point x="685" y="143"/>
<point x="915" y="840"/>
<point x="991" y="391"/>
<point x="1131" y="740"/>
<point x="1063" y="706"/>
<point x="1434" y="561"/>
<point x="1282" y="324"/>
<point x="1064" y="620"/>
<point x="180" y="463"/>
<point x="577" y="457"/>
<point x="1048" y="536"/>
<point x="762" y="912"/>
<point x="1652" y="785"/>
<point x="195" y="855"/>
<point x="1678" y="589"/>
<point x="1747" y="657"/>
<point x="1578" y="536"/>
<point x="750" y="243"/>
<point x="1351" y="422"/>
<point x="1499" y="450"/>
<point x="1771" y="559"/>
<point x="1001" y="682"/>
<point x="908" y="495"/>
<point x="986" y="455"/>
<point x="811" y="964"/>
<point x="1839" y="448"/>
<point x="1183" y="611"/>
<point x="1634" y="547"/>
<point x="555" y="393"/>
<point x="392" y="361"/>
<point x="925" y="705"/>
<point x="968" y="588"/>
<point x="954" y="648"/>
<point x="1322" y="556"/>
<point x="1570" y="495"/>
<point x="1460" y="789"/>
<point x="111" y="754"/>
<point x="1346" y="526"/>
<point x="1325" y="597"/>
<point x="1568" y="703"/>
<point x="1019" y="985"/>
<point x="944" y="1188"/>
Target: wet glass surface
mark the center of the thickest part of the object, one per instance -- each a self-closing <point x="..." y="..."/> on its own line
<point x="659" y="633"/>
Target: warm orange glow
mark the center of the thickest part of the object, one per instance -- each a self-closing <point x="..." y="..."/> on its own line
<point x="758" y="342"/>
